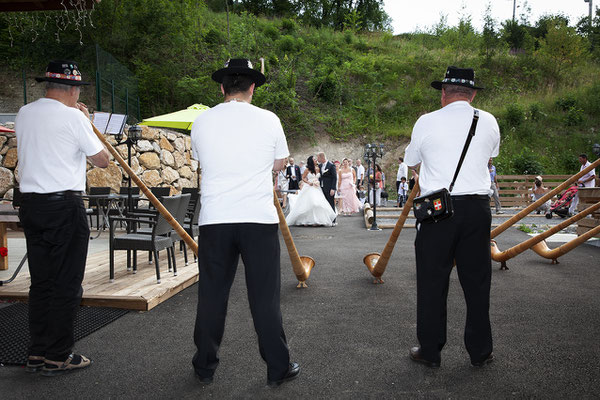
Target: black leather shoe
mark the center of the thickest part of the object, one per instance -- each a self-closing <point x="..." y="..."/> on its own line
<point x="415" y="355"/>
<point x="484" y="362"/>
<point x="205" y="380"/>
<point x="292" y="373"/>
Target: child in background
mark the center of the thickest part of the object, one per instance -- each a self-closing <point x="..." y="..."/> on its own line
<point x="362" y="194"/>
<point x="402" y="191"/>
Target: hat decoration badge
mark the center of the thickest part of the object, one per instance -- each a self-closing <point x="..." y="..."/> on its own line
<point x="63" y="72"/>
<point x="457" y="76"/>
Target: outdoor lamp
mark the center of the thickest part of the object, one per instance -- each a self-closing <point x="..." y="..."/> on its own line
<point x="596" y="149"/>
<point x="372" y="152"/>
<point x="134" y="133"/>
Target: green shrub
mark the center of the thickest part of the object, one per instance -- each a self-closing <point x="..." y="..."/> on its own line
<point x="574" y="117"/>
<point x="271" y="32"/>
<point x="288" y="25"/>
<point x="514" y="114"/>
<point x="527" y="163"/>
<point x="214" y="36"/>
<point x="565" y="103"/>
<point x="535" y="112"/>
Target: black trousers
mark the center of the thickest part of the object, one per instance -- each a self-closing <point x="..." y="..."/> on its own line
<point x="219" y="249"/>
<point x="465" y="238"/>
<point x="57" y="236"/>
<point x="330" y="199"/>
<point x="293" y="184"/>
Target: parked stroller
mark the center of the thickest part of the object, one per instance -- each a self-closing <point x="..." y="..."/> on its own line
<point x="561" y="206"/>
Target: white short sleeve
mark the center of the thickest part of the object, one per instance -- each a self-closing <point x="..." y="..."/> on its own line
<point x="89" y="143"/>
<point x="281" y="147"/>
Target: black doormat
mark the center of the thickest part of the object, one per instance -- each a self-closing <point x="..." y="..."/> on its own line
<point x="14" y="328"/>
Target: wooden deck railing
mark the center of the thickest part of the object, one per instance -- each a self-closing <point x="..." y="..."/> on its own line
<point x="515" y="190"/>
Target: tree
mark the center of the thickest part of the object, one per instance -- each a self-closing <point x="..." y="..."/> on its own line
<point x="563" y="48"/>
<point x="489" y="35"/>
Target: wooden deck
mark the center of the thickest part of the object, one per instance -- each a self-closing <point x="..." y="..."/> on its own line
<point x="130" y="291"/>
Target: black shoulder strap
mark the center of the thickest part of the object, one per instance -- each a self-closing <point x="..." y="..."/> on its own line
<point x="467" y="143"/>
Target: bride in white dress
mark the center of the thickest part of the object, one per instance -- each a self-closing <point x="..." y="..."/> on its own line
<point x="309" y="206"/>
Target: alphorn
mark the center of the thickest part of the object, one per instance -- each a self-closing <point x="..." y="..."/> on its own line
<point x="375" y="262"/>
<point x="517" y="217"/>
<point x="302" y="265"/>
<point x="503" y="256"/>
<point x="552" y="254"/>
<point x="180" y="231"/>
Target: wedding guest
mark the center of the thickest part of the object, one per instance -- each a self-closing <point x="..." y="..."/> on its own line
<point x="347" y="189"/>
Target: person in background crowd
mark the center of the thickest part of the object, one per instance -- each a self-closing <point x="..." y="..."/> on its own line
<point x="587" y="181"/>
<point x="293" y="175"/>
<point x="494" y="187"/>
<point x="537" y="192"/>
<point x="402" y="172"/>
<point x="360" y="173"/>
<point x="402" y="191"/>
<point x="302" y="167"/>
<point x="347" y="189"/>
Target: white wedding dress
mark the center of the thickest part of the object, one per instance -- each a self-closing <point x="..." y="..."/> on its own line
<point x="309" y="206"/>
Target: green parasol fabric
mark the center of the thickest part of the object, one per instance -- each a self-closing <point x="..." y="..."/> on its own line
<point x="182" y="119"/>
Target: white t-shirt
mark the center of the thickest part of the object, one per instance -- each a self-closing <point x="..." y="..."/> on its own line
<point x="591" y="182"/>
<point x="360" y="172"/>
<point x="402" y="171"/>
<point x="223" y="138"/>
<point x="53" y="141"/>
<point x="437" y="141"/>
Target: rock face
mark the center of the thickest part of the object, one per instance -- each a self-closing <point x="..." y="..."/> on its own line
<point x="149" y="160"/>
<point x="10" y="159"/>
<point x="144" y="145"/>
<point x="151" y="178"/>
<point x="165" y="144"/>
<point x="179" y="145"/>
<point x="6" y="180"/>
<point x="169" y="175"/>
<point x="109" y="176"/>
<point x="167" y="158"/>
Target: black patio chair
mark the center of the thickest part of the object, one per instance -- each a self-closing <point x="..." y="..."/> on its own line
<point x="191" y="225"/>
<point x="124" y="190"/>
<point x="180" y="218"/>
<point x="159" y="239"/>
<point x="96" y="205"/>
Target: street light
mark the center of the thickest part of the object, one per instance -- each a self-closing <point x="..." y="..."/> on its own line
<point x="372" y="151"/>
<point x="596" y="149"/>
<point x="134" y="133"/>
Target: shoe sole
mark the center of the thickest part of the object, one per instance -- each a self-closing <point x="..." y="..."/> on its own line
<point x="424" y="362"/>
<point x="56" y="372"/>
<point x="483" y="363"/>
<point x="32" y="370"/>
<point x="275" y="384"/>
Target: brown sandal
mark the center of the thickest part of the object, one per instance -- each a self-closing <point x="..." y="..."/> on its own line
<point x="73" y="362"/>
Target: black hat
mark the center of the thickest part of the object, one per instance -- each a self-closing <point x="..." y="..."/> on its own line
<point x="64" y="72"/>
<point x="239" y="66"/>
<point x="457" y="76"/>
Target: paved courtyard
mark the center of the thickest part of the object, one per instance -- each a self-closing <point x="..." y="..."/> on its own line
<point x="352" y="337"/>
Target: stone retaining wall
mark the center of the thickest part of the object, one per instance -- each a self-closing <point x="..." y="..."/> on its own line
<point x="161" y="158"/>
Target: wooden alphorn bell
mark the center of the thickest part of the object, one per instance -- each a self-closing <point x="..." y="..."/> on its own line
<point x="302" y="265"/>
<point x="538" y="244"/>
<point x="180" y="231"/>
<point x="375" y="262"/>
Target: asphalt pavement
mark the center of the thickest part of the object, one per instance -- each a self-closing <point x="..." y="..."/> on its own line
<point x="351" y="337"/>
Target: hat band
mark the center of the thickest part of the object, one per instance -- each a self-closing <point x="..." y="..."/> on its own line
<point x="456" y="80"/>
<point x="63" y="76"/>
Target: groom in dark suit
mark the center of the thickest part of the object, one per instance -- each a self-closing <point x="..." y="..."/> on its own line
<point x="293" y="174"/>
<point x="328" y="179"/>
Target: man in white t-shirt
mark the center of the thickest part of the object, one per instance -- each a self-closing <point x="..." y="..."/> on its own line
<point x="237" y="130"/>
<point x="436" y="144"/>
<point x="54" y="137"/>
<point x="402" y="172"/>
<point x="360" y="173"/>
<point x="587" y="181"/>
